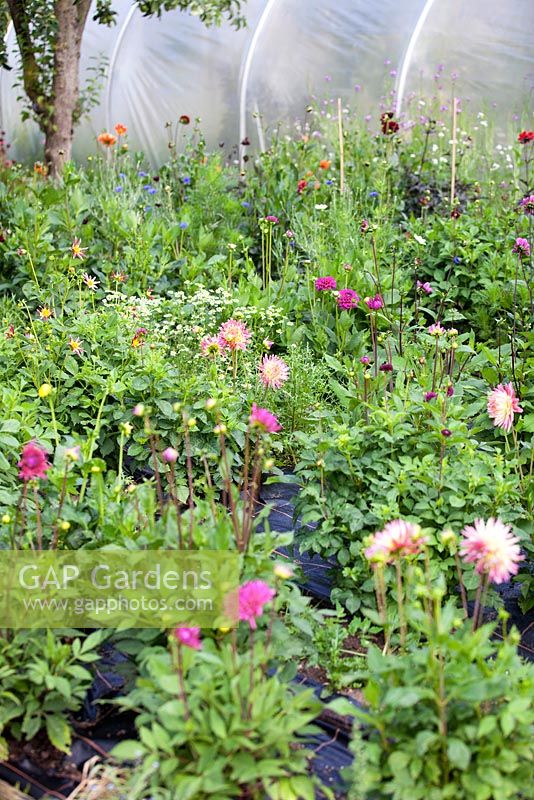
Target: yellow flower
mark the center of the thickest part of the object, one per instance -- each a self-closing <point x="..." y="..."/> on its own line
<point x="44" y="390"/>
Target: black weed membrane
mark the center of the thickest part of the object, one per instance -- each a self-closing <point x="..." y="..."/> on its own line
<point x="99" y="727"/>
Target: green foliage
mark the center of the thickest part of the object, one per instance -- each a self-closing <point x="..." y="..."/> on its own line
<point x="44" y="677"/>
<point x="237" y="732"/>
<point x="451" y="717"/>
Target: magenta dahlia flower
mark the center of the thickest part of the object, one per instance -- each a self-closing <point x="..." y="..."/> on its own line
<point x="33" y="463"/>
<point x="347" y="299"/>
<point x="493" y="548"/>
<point x="502" y="405"/>
<point x="252" y="598"/>
<point x="189" y="637"/>
<point x="274" y="372"/>
<point x="263" y="420"/>
<point x="325" y="284"/>
<point x="521" y="247"/>
<point x="374" y="303"/>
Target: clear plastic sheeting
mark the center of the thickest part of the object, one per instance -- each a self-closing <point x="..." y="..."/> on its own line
<point x="487" y="45"/>
<point x="243" y="83"/>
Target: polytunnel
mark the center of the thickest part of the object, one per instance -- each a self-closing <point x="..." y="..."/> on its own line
<point x="242" y="83"/>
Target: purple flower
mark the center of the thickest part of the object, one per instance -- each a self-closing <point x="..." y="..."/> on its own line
<point x="450" y="390"/>
<point x="364" y="226"/>
<point x="150" y="189"/>
<point x="446" y="432"/>
<point x="424" y="287"/>
<point x="386" y="367"/>
<point x="374" y="303"/>
<point x="527" y="204"/>
<point x="143" y="174"/>
<point x="521" y="247"/>
<point x="430" y="396"/>
<point x="365" y="360"/>
<point x="118" y="188"/>
<point x="272" y="219"/>
<point x="347" y="299"/>
<point x="325" y="284"/>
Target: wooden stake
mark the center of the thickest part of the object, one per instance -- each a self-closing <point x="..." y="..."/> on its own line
<point x="453" y="163"/>
<point x="341" y="147"/>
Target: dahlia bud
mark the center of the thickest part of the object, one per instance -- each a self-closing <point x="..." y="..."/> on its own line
<point x="170" y="455"/>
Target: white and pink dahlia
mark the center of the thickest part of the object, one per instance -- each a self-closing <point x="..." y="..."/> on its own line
<point x="493" y="549"/>
<point x="502" y="405"/>
<point x="274" y="372"/>
<point x="398" y="538"/>
<point x="234" y="334"/>
<point x="212" y="346"/>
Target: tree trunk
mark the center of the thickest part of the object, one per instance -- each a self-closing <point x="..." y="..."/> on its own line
<point x="59" y="126"/>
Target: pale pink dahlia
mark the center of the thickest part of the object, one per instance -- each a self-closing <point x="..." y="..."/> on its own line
<point x="502" y="405"/>
<point x="234" y="334"/>
<point x="263" y="420"/>
<point x="436" y="329"/>
<point x="252" y="597"/>
<point x="212" y="346"/>
<point x="190" y="637"/>
<point x="274" y="372"/>
<point x="398" y="538"/>
<point x="493" y="548"/>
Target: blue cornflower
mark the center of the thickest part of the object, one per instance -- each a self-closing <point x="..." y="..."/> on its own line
<point x="373" y="194"/>
<point x="122" y="175"/>
<point x="150" y="189"/>
<point x="457" y="260"/>
<point x="329" y="183"/>
<point x="142" y="174"/>
<point x="245" y="204"/>
<point x="148" y="208"/>
<point x="183" y="225"/>
<point x="118" y="188"/>
<point x="186" y="181"/>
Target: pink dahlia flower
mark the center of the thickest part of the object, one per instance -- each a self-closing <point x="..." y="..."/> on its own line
<point x="252" y="597"/>
<point x="493" y="549"/>
<point x="502" y="405"/>
<point x="189" y="637"/>
<point x="374" y="303"/>
<point x="325" y="284"/>
<point x="347" y="299"/>
<point x="212" y="345"/>
<point x="274" y="372"/>
<point x="521" y="247"/>
<point x="263" y="420"/>
<point x="398" y="538"/>
<point x="527" y="204"/>
<point x="234" y="334"/>
<point x="436" y="329"/>
<point x="33" y="463"/>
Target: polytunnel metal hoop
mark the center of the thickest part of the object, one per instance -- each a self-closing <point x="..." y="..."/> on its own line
<point x="245" y="75"/>
<point x="408" y="55"/>
<point x="113" y="59"/>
